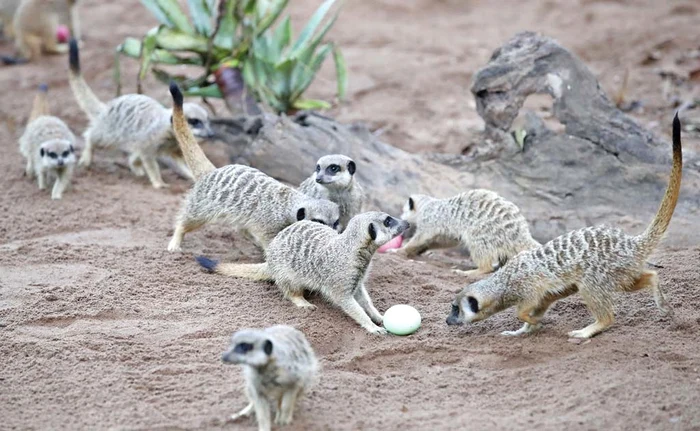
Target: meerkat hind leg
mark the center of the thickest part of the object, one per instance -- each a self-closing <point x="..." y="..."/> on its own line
<point x="135" y="165"/>
<point x="650" y="279"/>
<point x="181" y="228"/>
<point x="485" y="267"/>
<point x="86" y="155"/>
<point x="295" y="295"/>
<point x="150" y="165"/>
<point x="247" y="410"/>
<point x="599" y="303"/>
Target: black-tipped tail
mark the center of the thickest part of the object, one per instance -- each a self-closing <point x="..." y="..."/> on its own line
<point x="43" y="88"/>
<point x="74" y="56"/>
<point x="205" y="262"/>
<point x="177" y="94"/>
<point x="676" y="134"/>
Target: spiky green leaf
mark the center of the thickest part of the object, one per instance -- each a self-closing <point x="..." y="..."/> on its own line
<point x="306" y="35"/>
<point x="226" y="35"/>
<point x="341" y="72"/>
<point x="174" y="40"/>
<point x="273" y="12"/>
<point x="208" y="91"/>
<point x="310" y="71"/>
<point x="148" y="45"/>
<point x="176" y="15"/>
<point x="201" y="16"/>
<point x="154" y="8"/>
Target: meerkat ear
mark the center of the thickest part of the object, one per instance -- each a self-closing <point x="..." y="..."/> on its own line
<point x="267" y="347"/>
<point x="351" y="167"/>
<point x="41" y="152"/>
<point x="301" y="214"/>
<point x="72" y="150"/>
<point x="411" y="204"/>
<point x="372" y="231"/>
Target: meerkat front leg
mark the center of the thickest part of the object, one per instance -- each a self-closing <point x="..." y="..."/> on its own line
<point x="353" y="309"/>
<point x="86" y="155"/>
<point x="29" y="170"/>
<point x="135" y="165"/>
<point x="599" y="303"/>
<point x="365" y="302"/>
<point x="51" y="46"/>
<point x="41" y="179"/>
<point x="538" y="312"/>
<point x="61" y="183"/>
<point x="247" y="410"/>
<point x="285" y="414"/>
<point x="262" y="413"/>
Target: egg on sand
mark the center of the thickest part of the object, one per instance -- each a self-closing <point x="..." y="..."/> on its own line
<point x="402" y="319"/>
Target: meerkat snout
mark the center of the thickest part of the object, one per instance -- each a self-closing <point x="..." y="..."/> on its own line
<point x="387" y="230"/>
<point x="247" y="348"/>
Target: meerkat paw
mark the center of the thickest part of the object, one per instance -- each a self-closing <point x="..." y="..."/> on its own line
<point x="525" y="329"/>
<point x="247" y="410"/>
<point x="160" y="185"/>
<point x="377" y="330"/>
<point x="282" y="419"/>
<point x="174" y="246"/>
<point x="580" y="333"/>
<point x="56" y="196"/>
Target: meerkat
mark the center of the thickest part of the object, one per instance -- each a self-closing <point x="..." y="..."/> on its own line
<point x="135" y="123"/>
<point x="34" y="26"/>
<point x="241" y="195"/>
<point x="278" y="366"/>
<point x="334" y="180"/>
<point x="310" y="256"/>
<point x="47" y="144"/>
<point x="492" y="228"/>
<point x="596" y="262"/>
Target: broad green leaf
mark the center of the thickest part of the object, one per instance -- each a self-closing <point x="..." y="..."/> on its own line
<point x="311" y="104"/>
<point x="341" y="72"/>
<point x="310" y="28"/>
<point x="148" y="45"/>
<point x="208" y="91"/>
<point x="281" y="37"/>
<point x="132" y="48"/>
<point x="225" y="37"/>
<point x="174" y="40"/>
<point x="154" y="8"/>
<point x="117" y="73"/>
<point x="249" y="76"/>
<point x="176" y="15"/>
<point x="201" y="16"/>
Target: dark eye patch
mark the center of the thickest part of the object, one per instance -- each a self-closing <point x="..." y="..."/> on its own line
<point x="473" y="304"/>
<point x="195" y="122"/>
<point x="336" y="224"/>
<point x="65" y="154"/>
<point x="388" y="221"/>
<point x="334" y="168"/>
<point x="243" y="348"/>
<point x="53" y="155"/>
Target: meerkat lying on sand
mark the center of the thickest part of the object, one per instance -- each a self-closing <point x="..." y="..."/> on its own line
<point x="278" y="365"/>
<point x="134" y="123"/>
<point x="334" y="180"/>
<point x="241" y="195"/>
<point x="47" y="144"/>
<point x="310" y="256"/>
<point x="490" y="227"/>
<point x="597" y="262"/>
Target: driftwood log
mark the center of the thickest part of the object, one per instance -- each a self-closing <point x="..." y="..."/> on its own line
<point x="605" y="168"/>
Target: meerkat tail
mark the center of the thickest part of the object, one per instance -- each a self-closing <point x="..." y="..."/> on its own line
<point x="653" y="234"/>
<point x="83" y="93"/>
<point x="251" y="271"/>
<point x="195" y="158"/>
<point x="41" y="105"/>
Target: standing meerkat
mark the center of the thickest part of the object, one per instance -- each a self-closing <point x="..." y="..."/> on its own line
<point x="490" y="227"/>
<point x="241" y="195"/>
<point x="309" y="256"/>
<point x="597" y="262"/>
<point x="135" y="123"/>
<point x="34" y="25"/>
<point x="47" y="144"/>
<point x="278" y="366"/>
<point x="334" y="180"/>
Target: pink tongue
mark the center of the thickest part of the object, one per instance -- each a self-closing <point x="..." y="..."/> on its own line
<point x="394" y="243"/>
<point x="62" y="34"/>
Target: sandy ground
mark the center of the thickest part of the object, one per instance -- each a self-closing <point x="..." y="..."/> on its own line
<point x="101" y="328"/>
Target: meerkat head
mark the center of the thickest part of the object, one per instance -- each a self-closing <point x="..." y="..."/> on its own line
<point x="478" y="301"/>
<point x="57" y="153"/>
<point x="335" y="171"/>
<point x="376" y="228"/>
<point x="318" y="210"/>
<point x="198" y="119"/>
<point x="249" y="347"/>
<point x="411" y="207"/>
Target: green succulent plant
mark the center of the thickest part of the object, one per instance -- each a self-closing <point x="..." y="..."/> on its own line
<point x="237" y="34"/>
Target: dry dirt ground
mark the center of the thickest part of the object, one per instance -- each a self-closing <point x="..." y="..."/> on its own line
<point x="101" y="328"/>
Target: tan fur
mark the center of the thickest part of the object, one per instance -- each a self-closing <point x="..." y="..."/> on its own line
<point x="35" y="23"/>
<point x="596" y="262"/>
<point x="48" y="145"/>
<point x="134" y="123"/>
<point x="195" y="158"/>
<point x="310" y="256"/>
<point x="279" y="365"/>
<point x="490" y="227"/>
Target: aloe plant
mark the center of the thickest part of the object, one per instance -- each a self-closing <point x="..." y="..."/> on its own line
<point x="236" y="34"/>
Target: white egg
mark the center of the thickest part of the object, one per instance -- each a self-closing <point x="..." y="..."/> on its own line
<point x="402" y="319"/>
